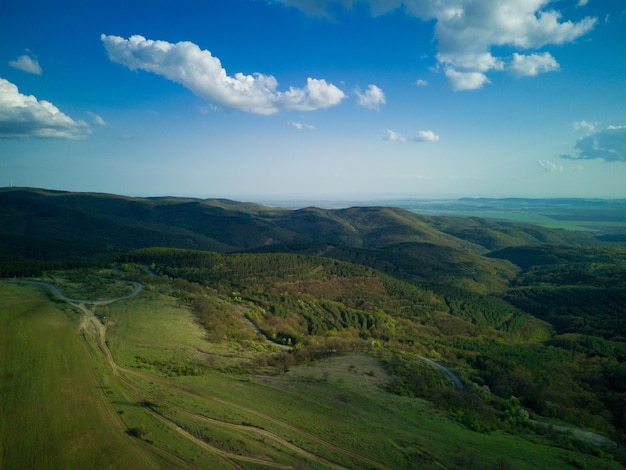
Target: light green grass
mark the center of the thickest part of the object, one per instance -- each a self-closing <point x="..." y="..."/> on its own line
<point x="156" y="334"/>
<point x="530" y="218"/>
<point x="52" y="409"/>
<point x="345" y="406"/>
<point x="525" y="217"/>
<point x="89" y="284"/>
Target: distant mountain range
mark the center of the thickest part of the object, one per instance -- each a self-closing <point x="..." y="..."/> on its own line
<point x="38" y="224"/>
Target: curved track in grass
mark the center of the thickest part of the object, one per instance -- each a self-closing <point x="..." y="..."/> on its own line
<point x="58" y="294"/>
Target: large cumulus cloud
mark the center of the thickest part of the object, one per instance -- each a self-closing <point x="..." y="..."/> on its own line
<point x="198" y="70"/>
<point x="468" y="31"/>
<point x="26" y="116"/>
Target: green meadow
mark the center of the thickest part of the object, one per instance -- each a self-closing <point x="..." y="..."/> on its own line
<point x="169" y="396"/>
<point x="580" y="225"/>
<point x="54" y="412"/>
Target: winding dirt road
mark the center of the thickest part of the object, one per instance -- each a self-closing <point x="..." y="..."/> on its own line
<point x="457" y="382"/>
<point x="58" y="294"/>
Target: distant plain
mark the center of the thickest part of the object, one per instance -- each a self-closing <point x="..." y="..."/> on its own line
<point x="594" y="215"/>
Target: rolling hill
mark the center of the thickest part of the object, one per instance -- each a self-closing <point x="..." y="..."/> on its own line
<point x="38" y="224"/>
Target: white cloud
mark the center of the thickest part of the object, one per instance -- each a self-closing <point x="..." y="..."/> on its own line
<point x="591" y="126"/>
<point x="97" y="119"/>
<point x="422" y="136"/>
<point x="465" y="80"/>
<point x="25" y="116"/>
<point x="482" y="62"/>
<point x="27" y="64"/>
<point x="204" y="110"/>
<point x="533" y="64"/>
<point x="302" y="126"/>
<point x="421" y="82"/>
<point x="373" y="97"/>
<point x="427" y="136"/>
<point x="549" y="166"/>
<point x="202" y="73"/>
<point x="468" y="31"/>
<point x="608" y="144"/>
<point x="393" y="136"/>
<point x="582" y="3"/>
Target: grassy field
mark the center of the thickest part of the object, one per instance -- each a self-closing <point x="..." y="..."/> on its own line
<point x="89" y="285"/>
<point x="531" y="218"/>
<point x="163" y="400"/>
<point x="53" y="410"/>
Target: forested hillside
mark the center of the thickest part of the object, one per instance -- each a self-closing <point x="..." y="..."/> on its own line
<point x="54" y="226"/>
<point x="496" y="337"/>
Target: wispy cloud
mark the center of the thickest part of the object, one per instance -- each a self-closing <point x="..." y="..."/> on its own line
<point x="26" y="63"/>
<point x="97" y="119"/>
<point x="210" y="108"/>
<point x="302" y="126"/>
<point x="202" y="73"/>
<point x="549" y="167"/>
<point x="372" y="98"/>
<point x="426" y="136"/>
<point x="26" y="116"/>
<point x="590" y="126"/>
<point x="422" y="136"/>
<point x="421" y="82"/>
<point x="393" y="136"/>
<point x="608" y="144"/>
<point x="533" y="64"/>
<point x="468" y="31"/>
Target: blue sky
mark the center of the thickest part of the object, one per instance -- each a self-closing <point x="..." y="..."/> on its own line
<point x="315" y="99"/>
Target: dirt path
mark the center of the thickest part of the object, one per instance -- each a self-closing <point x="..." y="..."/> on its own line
<point x="227" y="456"/>
<point x="243" y="310"/>
<point x="284" y="425"/>
<point x="96" y="330"/>
<point x="88" y="322"/>
<point x="310" y="436"/>
<point x="58" y="294"/>
<point x="457" y="382"/>
<point x="264" y="433"/>
<point x="269" y="434"/>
